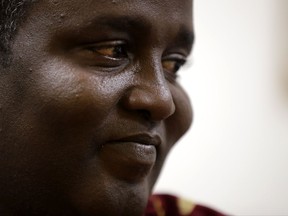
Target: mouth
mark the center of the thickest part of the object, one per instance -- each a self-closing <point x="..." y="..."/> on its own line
<point x="131" y="156"/>
<point x="141" y="139"/>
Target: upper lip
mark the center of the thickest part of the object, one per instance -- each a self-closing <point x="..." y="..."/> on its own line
<point x="143" y="138"/>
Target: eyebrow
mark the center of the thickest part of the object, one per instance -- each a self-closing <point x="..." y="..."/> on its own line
<point x="122" y="23"/>
<point x="184" y="36"/>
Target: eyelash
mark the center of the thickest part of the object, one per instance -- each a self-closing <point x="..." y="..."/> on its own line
<point x="178" y="60"/>
<point x="119" y="46"/>
<point x="119" y="51"/>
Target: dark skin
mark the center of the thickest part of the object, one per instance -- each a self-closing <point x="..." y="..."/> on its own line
<point x="91" y="106"/>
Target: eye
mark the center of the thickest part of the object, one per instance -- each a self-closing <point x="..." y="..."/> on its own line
<point x="171" y="65"/>
<point x="103" y="56"/>
<point x="112" y="49"/>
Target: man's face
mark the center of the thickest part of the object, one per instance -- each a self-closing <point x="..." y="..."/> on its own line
<point x="90" y="105"/>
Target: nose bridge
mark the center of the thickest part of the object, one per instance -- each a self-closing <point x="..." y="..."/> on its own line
<point x="151" y="91"/>
<point x="153" y="81"/>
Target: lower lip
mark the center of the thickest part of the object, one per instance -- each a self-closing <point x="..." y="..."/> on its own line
<point x="132" y="152"/>
<point x="128" y="160"/>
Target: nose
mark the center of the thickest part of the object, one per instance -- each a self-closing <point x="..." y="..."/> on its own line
<point x="151" y="95"/>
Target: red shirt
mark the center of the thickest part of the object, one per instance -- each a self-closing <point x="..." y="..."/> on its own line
<point x="167" y="205"/>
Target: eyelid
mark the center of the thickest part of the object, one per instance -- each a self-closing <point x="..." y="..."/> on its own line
<point x="103" y="49"/>
<point x="175" y="56"/>
<point x="179" y="58"/>
<point x="106" y="43"/>
<point x="102" y="56"/>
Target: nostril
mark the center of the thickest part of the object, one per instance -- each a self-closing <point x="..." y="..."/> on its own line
<point x="145" y="114"/>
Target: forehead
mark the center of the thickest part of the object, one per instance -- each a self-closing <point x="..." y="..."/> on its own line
<point x="152" y="7"/>
<point x="81" y="13"/>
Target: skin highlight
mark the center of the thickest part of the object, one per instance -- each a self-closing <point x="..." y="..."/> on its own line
<point x="91" y="105"/>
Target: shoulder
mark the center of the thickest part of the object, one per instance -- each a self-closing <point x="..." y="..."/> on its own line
<point x="168" y="205"/>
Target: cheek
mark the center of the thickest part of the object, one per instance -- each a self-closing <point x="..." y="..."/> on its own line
<point x="64" y="108"/>
<point x="73" y="97"/>
<point x="181" y="120"/>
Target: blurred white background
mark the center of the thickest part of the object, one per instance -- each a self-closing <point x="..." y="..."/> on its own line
<point x="235" y="157"/>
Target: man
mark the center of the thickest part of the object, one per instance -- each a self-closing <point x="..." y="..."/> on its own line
<point x="90" y="103"/>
